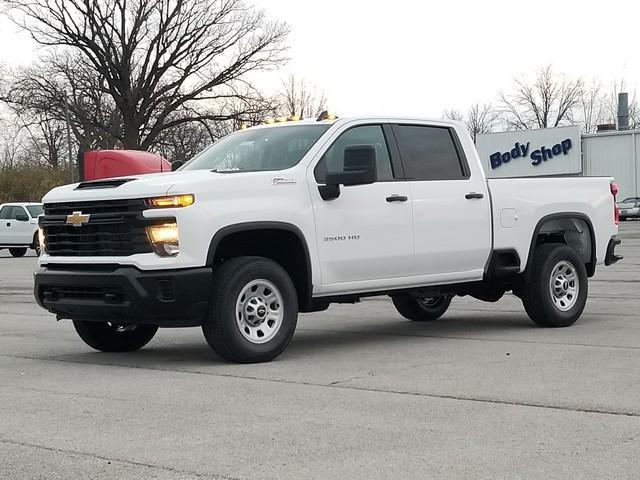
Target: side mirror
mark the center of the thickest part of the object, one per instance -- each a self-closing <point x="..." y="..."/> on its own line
<point x="176" y="164"/>
<point x="22" y="218"/>
<point x="359" y="169"/>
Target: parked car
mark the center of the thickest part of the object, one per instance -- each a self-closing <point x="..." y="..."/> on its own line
<point x="285" y="218"/>
<point x="19" y="227"/>
<point x="629" y="208"/>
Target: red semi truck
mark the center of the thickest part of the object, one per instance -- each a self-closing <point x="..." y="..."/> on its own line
<point x="118" y="163"/>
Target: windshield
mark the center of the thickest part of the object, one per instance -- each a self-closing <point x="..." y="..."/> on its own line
<point x="34" y="210"/>
<point x="275" y="148"/>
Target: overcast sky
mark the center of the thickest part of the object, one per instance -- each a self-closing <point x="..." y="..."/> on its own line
<point x="420" y="57"/>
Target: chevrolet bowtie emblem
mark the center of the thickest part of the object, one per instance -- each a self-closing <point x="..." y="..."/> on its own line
<point x="77" y="219"/>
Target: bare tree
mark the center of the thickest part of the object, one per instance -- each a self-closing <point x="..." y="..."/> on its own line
<point x="480" y="118"/>
<point x="453" y="114"/>
<point x="591" y="109"/>
<point x="547" y="102"/>
<point x="300" y="98"/>
<point x="45" y="141"/>
<point x="10" y="146"/>
<point x="157" y="64"/>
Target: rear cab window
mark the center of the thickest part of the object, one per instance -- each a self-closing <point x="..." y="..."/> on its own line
<point x="430" y="153"/>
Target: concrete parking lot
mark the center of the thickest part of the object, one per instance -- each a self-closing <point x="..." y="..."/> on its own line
<point x="360" y="393"/>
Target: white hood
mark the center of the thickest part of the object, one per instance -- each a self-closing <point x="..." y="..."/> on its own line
<point x="138" y="186"/>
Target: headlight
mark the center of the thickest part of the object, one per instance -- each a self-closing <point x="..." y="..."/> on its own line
<point x="172" y="201"/>
<point x="164" y="239"/>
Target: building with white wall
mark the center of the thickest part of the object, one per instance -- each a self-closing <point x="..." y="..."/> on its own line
<point x="615" y="154"/>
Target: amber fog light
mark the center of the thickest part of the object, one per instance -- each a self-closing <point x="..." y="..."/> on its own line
<point x="164" y="239"/>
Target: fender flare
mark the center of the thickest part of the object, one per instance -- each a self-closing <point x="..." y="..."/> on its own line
<point x="222" y="233"/>
<point x="591" y="267"/>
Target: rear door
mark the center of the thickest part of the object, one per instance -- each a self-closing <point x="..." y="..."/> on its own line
<point x="364" y="235"/>
<point x="451" y="207"/>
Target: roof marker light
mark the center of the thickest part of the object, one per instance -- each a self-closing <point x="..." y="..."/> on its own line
<point x="326" y="116"/>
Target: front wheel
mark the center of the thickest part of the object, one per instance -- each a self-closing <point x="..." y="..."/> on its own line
<point x="254" y="310"/>
<point x="17" y="252"/>
<point x="556" y="290"/>
<point x="114" y="337"/>
<point x="421" y="309"/>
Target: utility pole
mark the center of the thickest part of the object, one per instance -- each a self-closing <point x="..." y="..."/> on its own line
<point x="66" y="115"/>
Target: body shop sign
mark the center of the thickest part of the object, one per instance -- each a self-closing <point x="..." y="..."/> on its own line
<point x="549" y="151"/>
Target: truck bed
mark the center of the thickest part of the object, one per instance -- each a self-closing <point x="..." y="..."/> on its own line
<point x="519" y="205"/>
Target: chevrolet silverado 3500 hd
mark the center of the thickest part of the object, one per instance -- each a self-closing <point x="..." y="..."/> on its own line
<point x="286" y="218"/>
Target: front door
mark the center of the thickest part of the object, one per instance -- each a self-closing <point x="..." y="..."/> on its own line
<point x="365" y="233"/>
<point x="16" y="230"/>
<point x="5" y="224"/>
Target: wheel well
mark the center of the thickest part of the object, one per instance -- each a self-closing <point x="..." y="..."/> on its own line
<point x="574" y="230"/>
<point x="283" y="246"/>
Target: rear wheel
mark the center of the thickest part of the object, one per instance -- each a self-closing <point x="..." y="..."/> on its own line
<point x="423" y="309"/>
<point x="114" y="337"/>
<point x="254" y="310"/>
<point x="556" y="291"/>
<point x="17" y="252"/>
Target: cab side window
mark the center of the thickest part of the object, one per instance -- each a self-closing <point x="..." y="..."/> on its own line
<point x="333" y="159"/>
<point x="17" y="211"/>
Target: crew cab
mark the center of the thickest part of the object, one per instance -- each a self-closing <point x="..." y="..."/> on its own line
<point x="19" y="227"/>
<point x="290" y="217"/>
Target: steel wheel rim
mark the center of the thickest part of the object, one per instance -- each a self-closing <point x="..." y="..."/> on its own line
<point x="564" y="285"/>
<point x="122" y="328"/>
<point x="259" y="311"/>
<point x="430" y="302"/>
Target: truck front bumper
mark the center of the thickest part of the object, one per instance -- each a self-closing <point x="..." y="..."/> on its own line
<point x="169" y="298"/>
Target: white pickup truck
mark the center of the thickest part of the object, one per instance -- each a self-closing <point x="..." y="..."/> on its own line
<point x="19" y="227"/>
<point x="291" y="217"/>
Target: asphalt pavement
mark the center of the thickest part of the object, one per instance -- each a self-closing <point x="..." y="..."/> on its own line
<point x="360" y="393"/>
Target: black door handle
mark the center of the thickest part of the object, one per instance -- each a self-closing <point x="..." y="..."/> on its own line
<point x="473" y="195"/>
<point x="397" y="198"/>
<point x="8" y="224"/>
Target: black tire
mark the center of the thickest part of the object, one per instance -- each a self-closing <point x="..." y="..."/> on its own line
<point x="17" y="252"/>
<point x="222" y="328"/>
<point x="111" y="337"/>
<point x="421" y="309"/>
<point x="537" y="296"/>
